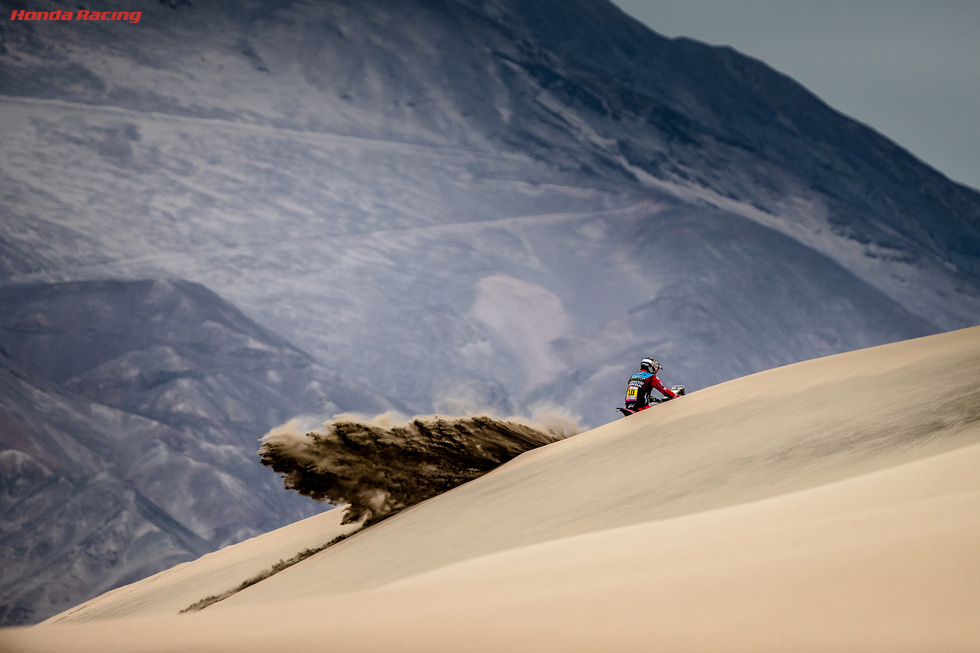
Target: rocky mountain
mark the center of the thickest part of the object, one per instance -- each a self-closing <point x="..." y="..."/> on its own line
<point x="461" y="204"/>
<point x="129" y="424"/>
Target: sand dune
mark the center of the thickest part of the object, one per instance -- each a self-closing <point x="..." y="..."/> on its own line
<point x="829" y="505"/>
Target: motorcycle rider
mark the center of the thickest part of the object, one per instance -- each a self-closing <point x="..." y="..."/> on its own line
<point x="643" y="383"/>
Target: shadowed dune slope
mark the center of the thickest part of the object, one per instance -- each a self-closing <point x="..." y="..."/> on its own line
<point x="831" y="504"/>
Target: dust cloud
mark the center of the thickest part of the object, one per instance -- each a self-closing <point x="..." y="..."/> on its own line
<point x="380" y="466"/>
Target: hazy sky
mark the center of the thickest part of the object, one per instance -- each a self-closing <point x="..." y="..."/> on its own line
<point x="910" y="69"/>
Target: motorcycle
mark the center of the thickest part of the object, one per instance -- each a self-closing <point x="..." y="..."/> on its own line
<point x="679" y="390"/>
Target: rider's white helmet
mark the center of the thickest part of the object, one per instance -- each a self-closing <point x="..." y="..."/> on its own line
<point x="650" y="365"/>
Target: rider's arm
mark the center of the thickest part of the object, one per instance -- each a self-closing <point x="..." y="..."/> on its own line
<point x="667" y="392"/>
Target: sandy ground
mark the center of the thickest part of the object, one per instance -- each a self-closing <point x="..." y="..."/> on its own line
<point x="176" y="589"/>
<point x="828" y="505"/>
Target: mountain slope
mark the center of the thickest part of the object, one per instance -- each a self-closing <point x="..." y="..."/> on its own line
<point x="131" y="413"/>
<point x="260" y="142"/>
